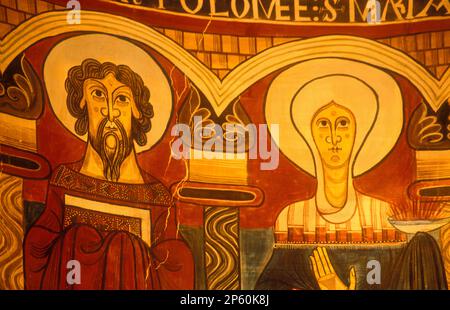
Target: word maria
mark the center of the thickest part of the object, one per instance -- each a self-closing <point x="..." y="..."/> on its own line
<point x="340" y="11"/>
<point x="236" y="142"/>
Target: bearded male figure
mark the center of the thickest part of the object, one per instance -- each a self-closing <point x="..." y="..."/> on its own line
<point x="103" y="212"/>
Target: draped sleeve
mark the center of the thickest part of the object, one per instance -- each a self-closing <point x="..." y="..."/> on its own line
<point x="108" y="258"/>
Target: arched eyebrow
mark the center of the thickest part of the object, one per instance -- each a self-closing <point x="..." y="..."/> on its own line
<point x="339" y="119"/>
<point x="97" y="83"/>
<point x="118" y="89"/>
<point x="323" y="119"/>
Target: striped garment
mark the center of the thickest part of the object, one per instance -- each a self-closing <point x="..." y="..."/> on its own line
<point x="301" y="223"/>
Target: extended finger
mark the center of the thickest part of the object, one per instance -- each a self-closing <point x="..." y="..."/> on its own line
<point x="352" y="285"/>
<point x="322" y="253"/>
<point x="319" y="263"/>
<point x="314" y="267"/>
<point x="325" y="253"/>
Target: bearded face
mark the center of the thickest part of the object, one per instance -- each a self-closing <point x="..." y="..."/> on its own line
<point x="113" y="145"/>
<point x="110" y="107"/>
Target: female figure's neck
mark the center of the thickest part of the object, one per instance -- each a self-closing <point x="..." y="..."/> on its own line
<point x="336" y="184"/>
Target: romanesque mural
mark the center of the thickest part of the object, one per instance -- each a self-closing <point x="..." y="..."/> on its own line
<point x="224" y="145"/>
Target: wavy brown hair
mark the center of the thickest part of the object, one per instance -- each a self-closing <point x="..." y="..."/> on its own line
<point x="91" y="68"/>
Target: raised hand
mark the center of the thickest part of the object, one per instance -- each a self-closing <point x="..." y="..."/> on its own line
<point x="324" y="272"/>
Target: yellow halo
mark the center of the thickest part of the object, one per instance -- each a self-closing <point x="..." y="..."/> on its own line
<point x="304" y="88"/>
<point x="106" y="48"/>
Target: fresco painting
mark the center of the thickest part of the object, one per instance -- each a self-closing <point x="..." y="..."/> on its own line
<point x="224" y="145"/>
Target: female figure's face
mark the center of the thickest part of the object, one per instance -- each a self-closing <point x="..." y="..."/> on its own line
<point x="333" y="128"/>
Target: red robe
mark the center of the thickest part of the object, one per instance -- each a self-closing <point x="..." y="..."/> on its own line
<point x="110" y="255"/>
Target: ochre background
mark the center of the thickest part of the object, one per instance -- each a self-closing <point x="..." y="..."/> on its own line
<point x="221" y="47"/>
<point x="287" y="184"/>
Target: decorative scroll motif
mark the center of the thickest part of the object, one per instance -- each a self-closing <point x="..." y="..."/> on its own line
<point x="233" y="122"/>
<point x="11" y="233"/>
<point x="222" y="248"/>
<point x="21" y="91"/>
<point x="430" y="130"/>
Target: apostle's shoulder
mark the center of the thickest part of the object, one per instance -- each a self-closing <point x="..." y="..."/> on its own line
<point x="64" y="171"/>
<point x="158" y="189"/>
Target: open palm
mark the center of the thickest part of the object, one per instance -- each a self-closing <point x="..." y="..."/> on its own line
<point x="324" y="272"/>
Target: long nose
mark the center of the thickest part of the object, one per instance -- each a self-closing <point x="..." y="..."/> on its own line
<point x="334" y="138"/>
<point x="110" y="112"/>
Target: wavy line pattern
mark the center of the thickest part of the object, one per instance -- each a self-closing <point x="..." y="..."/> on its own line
<point x="222" y="248"/>
<point x="448" y="127"/>
<point x="11" y="233"/>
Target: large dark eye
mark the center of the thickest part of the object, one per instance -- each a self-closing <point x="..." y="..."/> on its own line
<point x="98" y="93"/>
<point x="342" y="123"/>
<point x="322" y="123"/>
<point x="122" y="99"/>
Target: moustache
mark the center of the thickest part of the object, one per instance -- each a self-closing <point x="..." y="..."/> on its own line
<point x="113" y="145"/>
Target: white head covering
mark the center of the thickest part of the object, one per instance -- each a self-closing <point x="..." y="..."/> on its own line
<point x="370" y="93"/>
<point x="346" y="91"/>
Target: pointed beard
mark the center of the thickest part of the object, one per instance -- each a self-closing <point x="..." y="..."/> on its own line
<point x="112" y="156"/>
